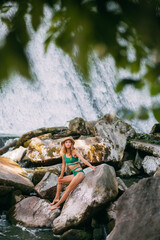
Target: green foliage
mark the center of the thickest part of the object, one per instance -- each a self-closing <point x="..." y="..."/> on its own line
<point x="80" y="27"/>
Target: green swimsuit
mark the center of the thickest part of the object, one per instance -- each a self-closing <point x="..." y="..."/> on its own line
<point x="74" y="161"/>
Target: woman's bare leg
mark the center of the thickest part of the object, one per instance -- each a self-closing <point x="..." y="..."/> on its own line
<point x="65" y="179"/>
<point x="75" y="181"/>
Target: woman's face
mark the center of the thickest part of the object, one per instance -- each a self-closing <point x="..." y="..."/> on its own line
<point x="68" y="143"/>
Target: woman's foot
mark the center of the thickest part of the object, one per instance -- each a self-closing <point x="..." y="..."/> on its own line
<point x="54" y="207"/>
<point x="54" y="201"/>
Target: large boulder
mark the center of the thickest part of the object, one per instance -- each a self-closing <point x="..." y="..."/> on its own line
<point x="47" y="187"/>
<point x="146" y="147"/>
<point x="97" y="188"/>
<point x="137" y="212"/>
<point x="41" y="131"/>
<point x="114" y="140"/>
<point x="32" y="212"/>
<point x="91" y="148"/>
<point x="80" y="126"/>
<point x="44" y="151"/>
<point x="151" y="164"/>
<point x="119" y="125"/>
<point x="11" y="174"/>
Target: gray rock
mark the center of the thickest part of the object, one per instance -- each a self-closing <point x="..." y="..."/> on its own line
<point x="146" y="147"/>
<point x="46" y="188"/>
<point x="11" y="174"/>
<point x="127" y="169"/>
<point x="157" y="173"/>
<point x="137" y="212"/>
<point x="80" y="126"/>
<point x="120" y="125"/>
<point x="97" y="188"/>
<point x="151" y="164"/>
<point x="32" y="212"/>
<point x="39" y="172"/>
<point x="114" y="140"/>
<point x="121" y="185"/>
<point x="16" y="155"/>
<point x="111" y="211"/>
<point x="138" y="161"/>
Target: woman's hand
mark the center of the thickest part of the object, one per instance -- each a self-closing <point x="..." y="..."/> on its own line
<point x="93" y="168"/>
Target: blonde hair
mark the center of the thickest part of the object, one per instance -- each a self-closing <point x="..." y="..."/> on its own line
<point x="64" y="149"/>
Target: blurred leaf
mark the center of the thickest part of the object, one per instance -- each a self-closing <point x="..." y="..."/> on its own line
<point x="138" y="84"/>
<point x="5" y="8"/>
<point x="142" y="113"/>
<point x="135" y="67"/>
<point x="156" y="111"/>
<point x="125" y="113"/>
<point x="6" y="21"/>
<point x="36" y="13"/>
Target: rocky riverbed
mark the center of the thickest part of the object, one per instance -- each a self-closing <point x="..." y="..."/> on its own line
<point x="119" y="200"/>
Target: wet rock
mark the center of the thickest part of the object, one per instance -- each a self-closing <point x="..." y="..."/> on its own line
<point x="150" y="164"/>
<point x="47" y="187"/>
<point x="97" y="188"/>
<point x="146" y="147"/>
<point x="114" y="140"/>
<point x="32" y="134"/>
<point x="128" y="169"/>
<point x="16" y="155"/>
<point x="11" y="174"/>
<point x="32" y="212"/>
<point x="137" y="212"/>
<point x="76" y="234"/>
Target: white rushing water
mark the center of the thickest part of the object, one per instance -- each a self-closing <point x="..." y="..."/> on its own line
<point x="59" y="93"/>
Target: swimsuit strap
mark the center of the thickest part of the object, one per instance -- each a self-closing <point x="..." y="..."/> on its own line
<point x="76" y="168"/>
<point x="69" y="164"/>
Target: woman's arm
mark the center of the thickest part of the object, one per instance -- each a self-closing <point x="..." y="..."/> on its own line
<point x="84" y="160"/>
<point x="63" y="167"/>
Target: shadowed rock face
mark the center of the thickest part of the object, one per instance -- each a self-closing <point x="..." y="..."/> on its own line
<point x="46" y="188"/>
<point x="11" y="174"/>
<point x="32" y="212"/>
<point x="138" y="212"/>
<point x="97" y="188"/>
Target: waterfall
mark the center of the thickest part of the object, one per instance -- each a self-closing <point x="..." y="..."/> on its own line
<point x="59" y="93"/>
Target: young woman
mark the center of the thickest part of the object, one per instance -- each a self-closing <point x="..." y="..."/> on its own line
<point x="70" y="156"/>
